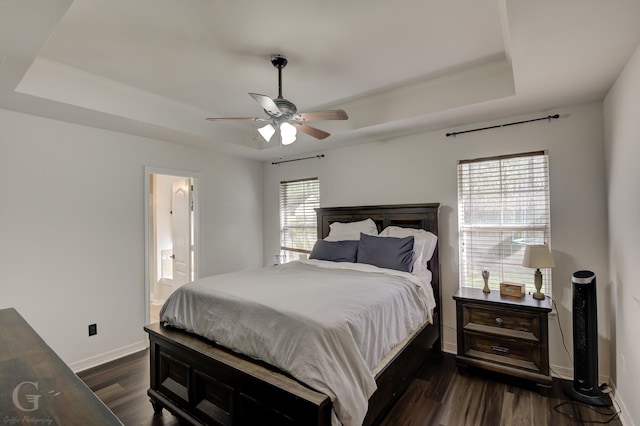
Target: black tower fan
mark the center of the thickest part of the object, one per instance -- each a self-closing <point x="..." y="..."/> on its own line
<point x="585" y="342"/>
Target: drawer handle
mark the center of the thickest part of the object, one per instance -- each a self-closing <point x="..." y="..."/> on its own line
<point x="500" y="349"/>
<point x="499" y="321"/>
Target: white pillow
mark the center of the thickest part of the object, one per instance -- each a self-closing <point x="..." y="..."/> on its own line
<point x="424" y="244"/>
<point x="341" y="231"/>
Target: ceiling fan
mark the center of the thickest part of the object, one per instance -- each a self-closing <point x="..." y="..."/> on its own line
<point x="283" y="114"/>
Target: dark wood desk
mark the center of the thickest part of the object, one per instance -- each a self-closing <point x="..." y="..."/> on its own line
<point x="36" y="386"/>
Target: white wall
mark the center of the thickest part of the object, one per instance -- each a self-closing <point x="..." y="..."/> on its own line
<point x="622" y="142"/>
<point x="72" y="228"/>
<point x="422" y="168"/>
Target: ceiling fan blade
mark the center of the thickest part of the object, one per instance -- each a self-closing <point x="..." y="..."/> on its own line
<point x="235" y="118"/>
<point x="334" y="114"/>
<point x="312" y="131"/>
<point x="267" y="104"/>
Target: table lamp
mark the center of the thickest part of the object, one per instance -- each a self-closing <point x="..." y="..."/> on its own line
<point x="538" y="256"/>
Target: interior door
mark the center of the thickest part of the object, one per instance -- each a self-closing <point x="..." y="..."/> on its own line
<point x="181" y="231"/>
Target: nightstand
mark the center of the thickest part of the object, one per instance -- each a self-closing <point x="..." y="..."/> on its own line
<point x="504" y="334"/>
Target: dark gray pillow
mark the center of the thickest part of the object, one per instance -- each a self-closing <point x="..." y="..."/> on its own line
<point x="386" y="252"/>
<point x="335" y="251"/>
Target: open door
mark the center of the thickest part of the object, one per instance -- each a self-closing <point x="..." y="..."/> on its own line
<point x="181" y="231"/>
<point x="171" y="217"/>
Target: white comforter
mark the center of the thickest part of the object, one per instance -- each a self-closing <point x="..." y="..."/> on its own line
<point x="327" y="324"/>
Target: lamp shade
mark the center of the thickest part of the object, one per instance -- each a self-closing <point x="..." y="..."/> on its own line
<point x="537" y="256"/>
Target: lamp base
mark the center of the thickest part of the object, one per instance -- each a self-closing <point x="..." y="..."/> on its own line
<point x="537" y="280"/>
<point x="538" y="296"/>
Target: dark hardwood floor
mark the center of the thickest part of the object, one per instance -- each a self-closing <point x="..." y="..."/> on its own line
<point x="437" y="396"/>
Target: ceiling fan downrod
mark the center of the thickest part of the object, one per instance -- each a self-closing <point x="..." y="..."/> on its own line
<point x="279" y="61"/>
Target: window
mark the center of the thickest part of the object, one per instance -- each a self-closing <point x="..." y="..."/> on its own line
<point x="298" y="221"/>
<point x="503" y="205"/>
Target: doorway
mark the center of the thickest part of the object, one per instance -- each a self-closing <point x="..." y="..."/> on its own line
<point x="172" y="246"/>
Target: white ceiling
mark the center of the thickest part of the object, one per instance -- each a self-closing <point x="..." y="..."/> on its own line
<point x="158" y="68"/>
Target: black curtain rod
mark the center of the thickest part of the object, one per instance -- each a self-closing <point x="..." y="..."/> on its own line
<point x="548" y="117"/>
<point x="275" y="163"/>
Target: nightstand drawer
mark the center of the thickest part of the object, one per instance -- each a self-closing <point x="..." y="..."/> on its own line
<point x="515" y="353"/>
<point x="503" y="322"/>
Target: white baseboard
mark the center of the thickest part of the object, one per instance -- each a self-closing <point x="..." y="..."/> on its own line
<point x="561" y="372"/>
<point x="619" y="405"/>
<point x="450" y="348"/>
<point x="94" y="361"/>
<point x="567" y="374"/>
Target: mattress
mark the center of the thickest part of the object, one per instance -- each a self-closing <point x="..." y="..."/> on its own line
<point x="330" y="325"/>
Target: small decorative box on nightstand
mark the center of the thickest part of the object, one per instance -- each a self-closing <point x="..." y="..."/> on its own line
<point x="504" y="334"/>
<point x="511" y="289"/>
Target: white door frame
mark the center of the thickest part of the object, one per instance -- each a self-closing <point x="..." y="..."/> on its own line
<point x="148" y="210"/>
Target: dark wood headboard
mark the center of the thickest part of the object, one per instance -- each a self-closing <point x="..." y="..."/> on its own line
<point x="420" y="216"/>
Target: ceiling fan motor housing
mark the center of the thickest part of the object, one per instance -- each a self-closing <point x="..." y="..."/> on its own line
<point x="287" y="107"/>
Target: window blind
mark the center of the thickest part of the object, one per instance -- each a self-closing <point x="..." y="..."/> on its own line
<point x="298" y="221"/>
<point x="503" y="205"/>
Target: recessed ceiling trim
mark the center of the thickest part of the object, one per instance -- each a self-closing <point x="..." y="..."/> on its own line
<point x="506" y="34"/>
<point x="482" y="83"/>
<point x="58" y="82"/>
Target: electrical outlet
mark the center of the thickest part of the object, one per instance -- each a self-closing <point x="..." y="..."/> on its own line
<point x="93" y="329"/>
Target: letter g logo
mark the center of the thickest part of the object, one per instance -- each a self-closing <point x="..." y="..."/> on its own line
<point x="33" y="399"/>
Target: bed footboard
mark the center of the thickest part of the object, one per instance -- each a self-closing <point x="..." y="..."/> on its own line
<point x="203" y="383"/>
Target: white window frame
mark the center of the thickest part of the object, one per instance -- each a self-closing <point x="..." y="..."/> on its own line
<point x="503" y="205"/>
<point x="298" y="218"/>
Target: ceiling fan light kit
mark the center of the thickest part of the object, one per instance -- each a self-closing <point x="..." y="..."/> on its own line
<point x="287" y="133"/>
<point x="283" y="114"/>
<point x="266" y="132"/>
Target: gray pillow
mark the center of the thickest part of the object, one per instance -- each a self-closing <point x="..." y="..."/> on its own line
<point x="335" y="251"/>
<point x="386" y="252"/>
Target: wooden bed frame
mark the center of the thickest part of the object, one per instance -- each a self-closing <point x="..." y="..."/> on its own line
<point x="204" y="383"/>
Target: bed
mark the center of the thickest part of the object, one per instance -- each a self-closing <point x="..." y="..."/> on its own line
<point x="203" y="382"/>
